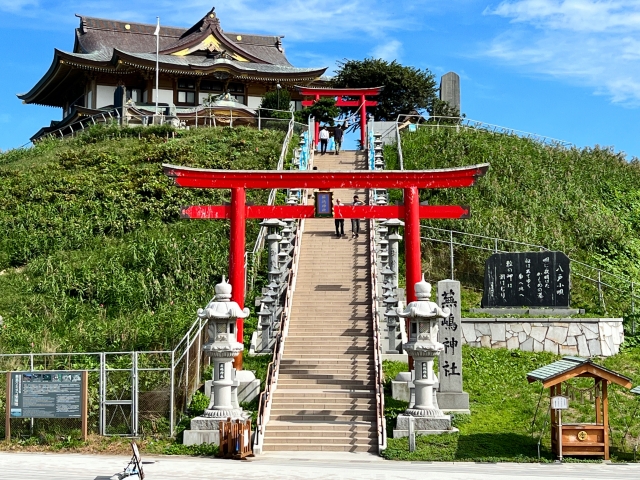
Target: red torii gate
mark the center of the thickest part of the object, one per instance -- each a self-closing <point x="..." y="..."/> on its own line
<point x="362" y="102"/>
<point x="238" y="211"/>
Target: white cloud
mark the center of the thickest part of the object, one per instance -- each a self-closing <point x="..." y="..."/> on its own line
<point x="14" y="6"/>
<point x="389" y="50"/>
<point x="589" y="42"/>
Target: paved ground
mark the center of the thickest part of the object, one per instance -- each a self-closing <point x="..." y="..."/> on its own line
<point x="293" y="466"/>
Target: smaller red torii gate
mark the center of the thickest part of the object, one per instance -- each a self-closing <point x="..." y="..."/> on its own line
<point x="238" y="211"/>
<point x="362" y="103"/>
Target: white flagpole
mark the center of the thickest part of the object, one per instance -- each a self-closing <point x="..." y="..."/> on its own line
<point x="157" y="33"/>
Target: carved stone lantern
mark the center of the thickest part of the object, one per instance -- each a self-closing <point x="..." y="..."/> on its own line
<point x="423" y="346"/>
<point x="394" y="239"/>
<point x="273" y="224"/>
<point x="221" y="314"/>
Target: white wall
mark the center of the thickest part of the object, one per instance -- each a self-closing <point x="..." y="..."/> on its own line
<point x="104" y="95"/>
<point x="166" y="96"/>
<point x="253" y="102"/>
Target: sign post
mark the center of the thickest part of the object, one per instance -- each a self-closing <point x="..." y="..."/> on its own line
<point x="559" y="403"/>
<point x="47" y="394"/>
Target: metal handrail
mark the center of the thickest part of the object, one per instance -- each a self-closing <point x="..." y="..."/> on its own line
<point x="377" y="357"/>
<point x="468" y="123"/>
<point x="630" y="284"/>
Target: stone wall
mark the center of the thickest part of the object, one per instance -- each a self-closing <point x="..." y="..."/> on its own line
<point x="583" y="337"/>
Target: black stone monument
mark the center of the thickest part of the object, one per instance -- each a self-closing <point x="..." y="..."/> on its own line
<point x="527" y="279"/>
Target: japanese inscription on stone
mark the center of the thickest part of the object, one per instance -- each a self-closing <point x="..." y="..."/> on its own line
<point x="46" y="394"/>
<point x="526" y="279"/>
<point x="450" y="335"/>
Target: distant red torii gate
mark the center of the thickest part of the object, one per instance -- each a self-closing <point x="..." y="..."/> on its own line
<point x="362" y="103"/>
<point x="238" y="211"/>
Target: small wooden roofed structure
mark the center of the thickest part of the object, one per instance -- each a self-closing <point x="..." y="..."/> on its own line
<point x="585" y="439"/>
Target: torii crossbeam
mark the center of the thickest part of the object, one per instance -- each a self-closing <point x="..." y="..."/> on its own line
<point x="238" y="211"/>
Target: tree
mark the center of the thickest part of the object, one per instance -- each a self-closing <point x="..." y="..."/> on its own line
<point x="405" y="88"/>
<point x="441" y="108"/>
<point x="273" y="101"/>
<point x="324" y="111"/>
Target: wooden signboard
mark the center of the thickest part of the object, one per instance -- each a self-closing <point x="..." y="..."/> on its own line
<point x="324" y="204"/>
<point x="47" y="394"/>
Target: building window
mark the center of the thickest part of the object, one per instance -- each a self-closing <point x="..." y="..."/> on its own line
<point x="210" y="86"/>
<point x="187" y="91"/>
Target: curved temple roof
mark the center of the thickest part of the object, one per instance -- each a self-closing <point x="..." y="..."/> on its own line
<point x="123" y="48"/>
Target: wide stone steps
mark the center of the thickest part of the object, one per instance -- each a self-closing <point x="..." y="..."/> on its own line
<point x="325" y="399"/>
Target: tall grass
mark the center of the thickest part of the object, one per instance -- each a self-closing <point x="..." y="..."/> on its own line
<point x="584" y="202"/>
<point x="94" y="255"/>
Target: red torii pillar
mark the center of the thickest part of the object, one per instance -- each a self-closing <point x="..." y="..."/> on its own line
<point x="238" y="211"/>
<point x="362" y="103"/>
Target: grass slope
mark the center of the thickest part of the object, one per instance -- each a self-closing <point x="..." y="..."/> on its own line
<point x="93" y="254"/>
<point x="503" y="405"/>
<point x="584" y="202"/>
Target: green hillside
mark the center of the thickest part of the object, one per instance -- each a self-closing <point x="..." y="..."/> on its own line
<point x="93" y="254"/>
<point x="584" y="202"/>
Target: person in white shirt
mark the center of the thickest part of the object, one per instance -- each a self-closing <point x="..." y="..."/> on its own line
<point x="324" y="140"/>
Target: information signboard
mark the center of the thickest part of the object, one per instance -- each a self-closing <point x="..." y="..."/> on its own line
<point x="47" y="394"/>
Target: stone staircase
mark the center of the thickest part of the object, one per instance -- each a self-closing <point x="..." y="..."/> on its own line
<point x="325" y="399"/>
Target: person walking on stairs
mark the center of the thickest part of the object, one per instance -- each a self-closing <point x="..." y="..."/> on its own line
<point x="339" y="222"/>
<point x="355" y="222"/>
<point x="324" y="140"/>
<point x="337" y="138"/>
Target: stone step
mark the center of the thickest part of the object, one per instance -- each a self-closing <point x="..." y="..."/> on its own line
<point x="315" y="409"/>
<point x="321" y="370"/>
<point x="368" y="417"/>
<point x="305" y="340"/>
<point x="364" y="376"/>
<point x="308" y="447"/>
<point x="325" y="395"/>
<point x="340" y="362"/>
<point x="318" y="402"/>
<point x="316" y="382"/>
<point x="324" y="438"/>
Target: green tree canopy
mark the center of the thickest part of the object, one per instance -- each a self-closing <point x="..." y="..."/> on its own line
<point x="405" y="88"/>
<point x="272" y="102"/>
<point x="324" y="111"/>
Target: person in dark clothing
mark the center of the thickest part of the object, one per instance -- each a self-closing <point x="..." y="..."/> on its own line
<point x="339" y="222"/>
<point x="338" y="133"/>
<point x="355" y="222"/>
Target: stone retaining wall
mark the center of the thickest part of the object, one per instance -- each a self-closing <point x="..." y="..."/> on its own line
<point x="583" y="337"/>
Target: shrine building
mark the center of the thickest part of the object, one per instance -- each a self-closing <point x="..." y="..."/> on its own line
<point x="113" y="64"/>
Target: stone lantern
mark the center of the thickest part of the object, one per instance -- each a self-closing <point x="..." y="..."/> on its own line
<point x="423" y="346"/>
<point x="273" y="224"/>
<point x="394" y="239"/>
<point x="221" y="314"/>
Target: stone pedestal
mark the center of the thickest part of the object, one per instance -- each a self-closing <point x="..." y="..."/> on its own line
<point x="423" y="425"/>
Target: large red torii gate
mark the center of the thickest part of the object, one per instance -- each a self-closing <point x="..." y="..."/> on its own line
<point x="362" y="103"/>
<point x="238" y="211"/>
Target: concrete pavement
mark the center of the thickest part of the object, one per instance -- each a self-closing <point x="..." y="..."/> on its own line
<point x="293" y="466"/>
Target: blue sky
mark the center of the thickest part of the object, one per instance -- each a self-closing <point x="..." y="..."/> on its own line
<point x="564" y="69"/>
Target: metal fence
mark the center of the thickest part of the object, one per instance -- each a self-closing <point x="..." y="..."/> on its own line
<point x="615" y="293"/>
<point x="130" y="393"/>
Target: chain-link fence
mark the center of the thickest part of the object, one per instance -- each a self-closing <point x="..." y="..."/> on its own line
<point x="129" y="393"/>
